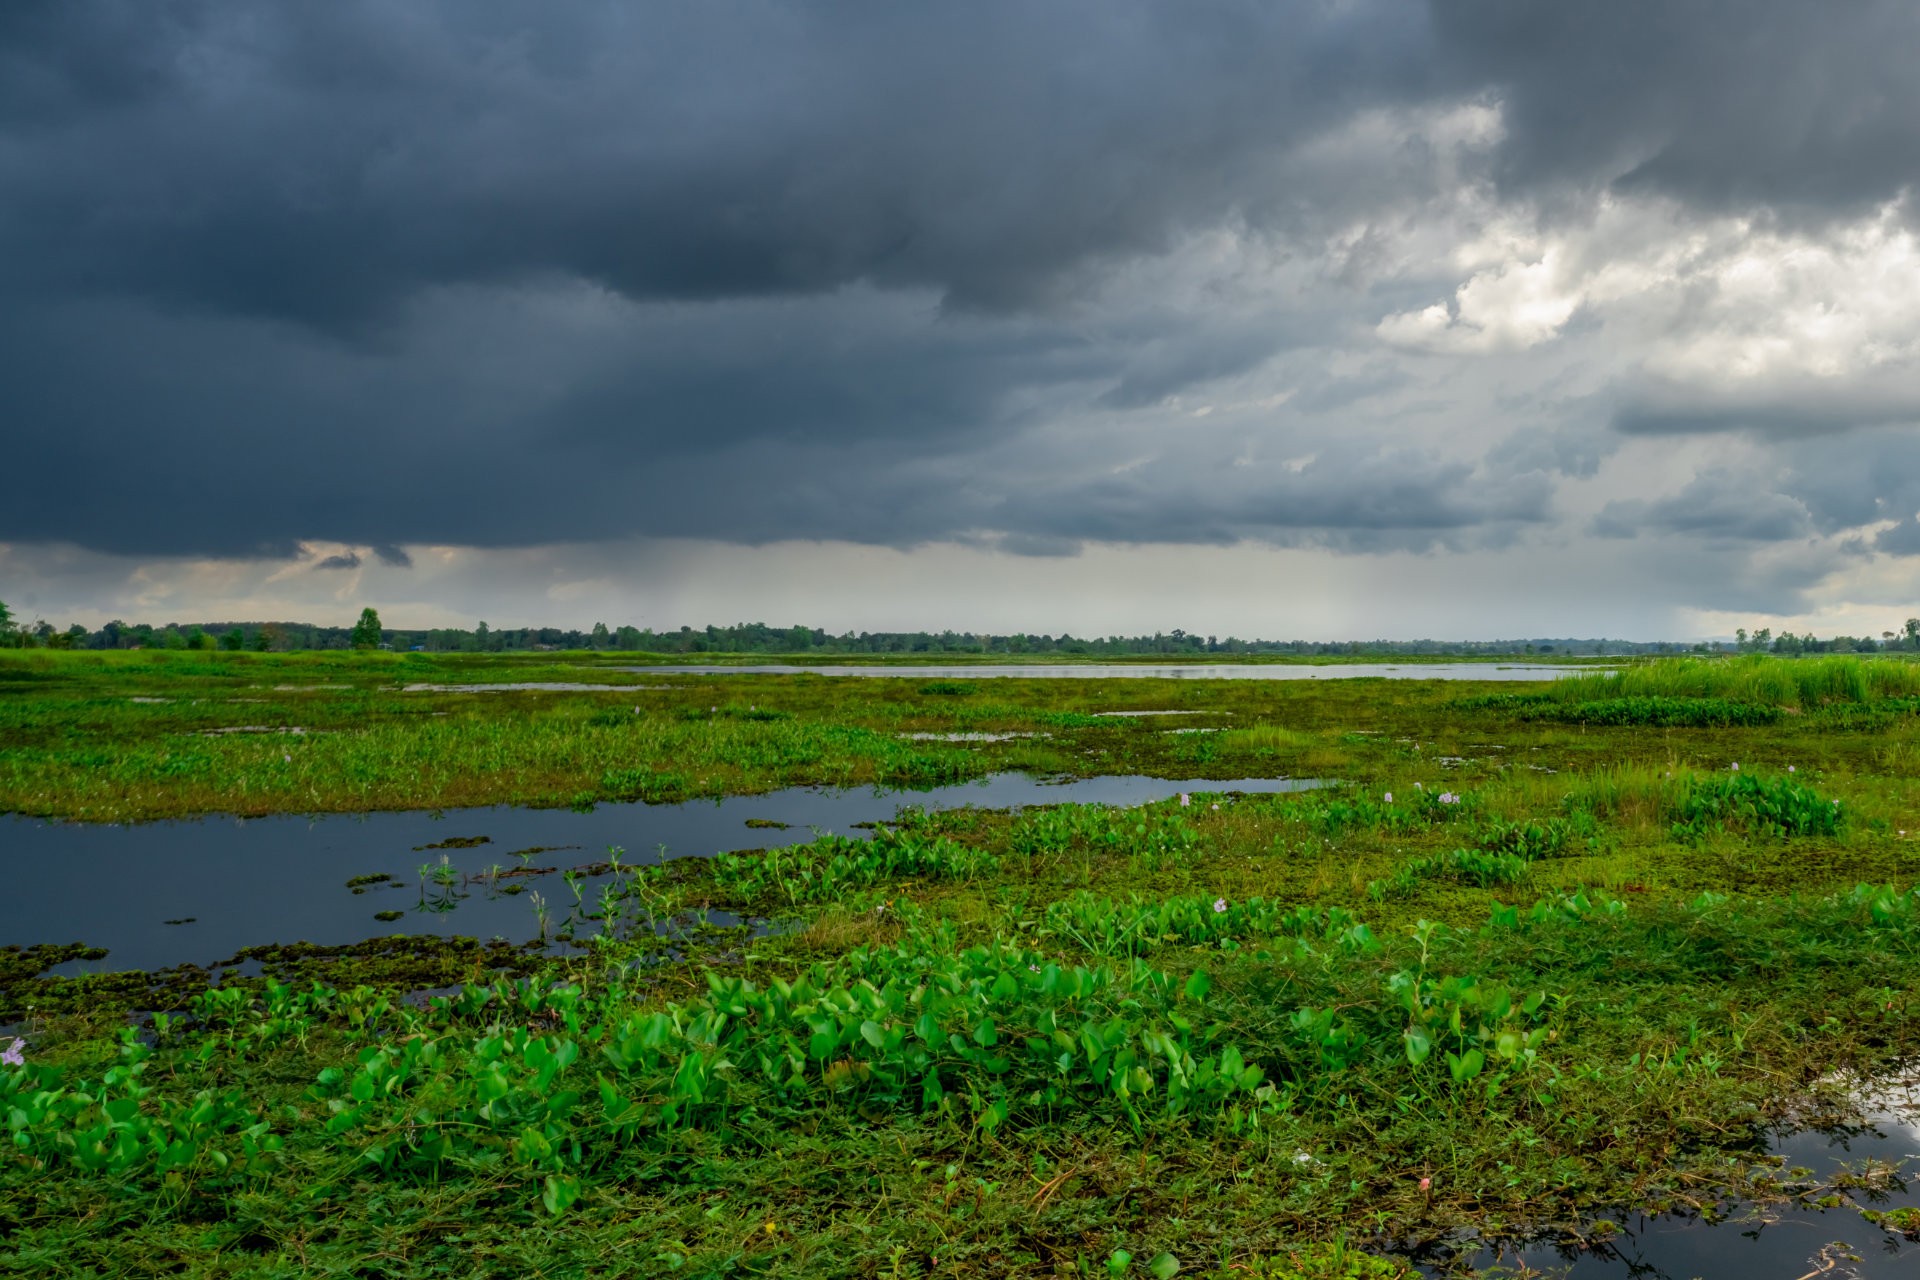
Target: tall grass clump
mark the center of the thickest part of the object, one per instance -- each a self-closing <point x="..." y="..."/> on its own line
<point x="1756" y="679"/>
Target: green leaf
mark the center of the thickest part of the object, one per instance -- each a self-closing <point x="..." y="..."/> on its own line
<point x="1164" y="1266"/>
<point x="560" y="1193"/>
<point x="1419" y="1044"/>
<point x="1198" y="985"/>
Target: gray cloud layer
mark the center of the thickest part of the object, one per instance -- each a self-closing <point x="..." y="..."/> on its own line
<point x="506" y="274"/>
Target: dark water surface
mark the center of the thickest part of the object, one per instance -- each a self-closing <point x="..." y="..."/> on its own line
<point x="248" y="882"/>
<point x="1786" y="1242"/>
<point x="1141" y="671"/>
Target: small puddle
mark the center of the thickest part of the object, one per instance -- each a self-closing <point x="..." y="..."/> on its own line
<point x="1791" y="1241"/>
<point x="233" y="883"/>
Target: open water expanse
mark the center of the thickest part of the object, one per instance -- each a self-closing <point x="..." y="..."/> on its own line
<point x="246" y="882"/>
<point x="1141" y="671"/>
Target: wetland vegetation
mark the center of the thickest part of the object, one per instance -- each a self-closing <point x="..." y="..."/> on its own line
<point x="1545" y="956"/>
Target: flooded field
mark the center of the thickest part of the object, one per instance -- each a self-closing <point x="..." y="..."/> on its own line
<point x="1551" y="975"/>
<point x="1861" y="1220"/>
<point x="193" y="892"/>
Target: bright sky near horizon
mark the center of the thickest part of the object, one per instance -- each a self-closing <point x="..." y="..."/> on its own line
<point x="1329" y="320"/>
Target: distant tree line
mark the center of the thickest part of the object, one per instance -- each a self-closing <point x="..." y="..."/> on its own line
<point x="755" y="637"/>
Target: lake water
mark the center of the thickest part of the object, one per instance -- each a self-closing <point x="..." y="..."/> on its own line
<point x="246" y="882"/>
<point x="1142" y="671"/>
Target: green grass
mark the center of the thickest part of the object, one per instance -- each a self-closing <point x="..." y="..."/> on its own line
<point x="1515" y="973"/>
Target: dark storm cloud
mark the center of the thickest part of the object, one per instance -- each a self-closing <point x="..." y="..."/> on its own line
<point x="1739" y="105"/>
<point x="393" y="557"/>
<point x="345" y="560"/>
<point x="1351" y="499"/>
<point x="1719" y="505"/>
<point x="322" y="163"/>
<point x="503" y="273"/>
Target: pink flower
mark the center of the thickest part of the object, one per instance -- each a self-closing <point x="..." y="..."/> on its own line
<point x="1426" y="1184"/>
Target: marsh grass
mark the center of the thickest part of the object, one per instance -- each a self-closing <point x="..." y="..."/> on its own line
<point x="1679" y="956"/>
<point x="1762" y="681"/>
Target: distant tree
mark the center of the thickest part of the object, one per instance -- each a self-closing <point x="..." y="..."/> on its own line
<point x="482" y="638"/>
<point x="366" y="632"/>
<point x="200" y="640"/>
<point x="9" y="632"/>
<point x="602" y="638"/>
<point x="234" y="641"/>
<point x="1913" y="633"/>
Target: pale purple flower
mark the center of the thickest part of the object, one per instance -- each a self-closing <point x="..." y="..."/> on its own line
<point x="1216" y="808"/>
<point x="1419" y="787"/>
<point x="1736" y="766"/>
<point x="1219" y="906"/>
<point x="1185" y="799"/>
<point x="1389" y="797"/>
<point x="12" y="1056"/>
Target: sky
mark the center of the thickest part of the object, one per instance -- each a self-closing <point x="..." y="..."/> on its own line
<point x="1324" y="320"/>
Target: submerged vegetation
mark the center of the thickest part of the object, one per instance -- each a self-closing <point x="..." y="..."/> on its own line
<point x="1517" y="971"/>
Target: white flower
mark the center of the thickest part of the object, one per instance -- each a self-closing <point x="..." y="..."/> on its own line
<point x="1219" y="906"/>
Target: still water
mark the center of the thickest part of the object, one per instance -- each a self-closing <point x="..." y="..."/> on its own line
<point x="1786" y="1242"/>
<point x="1142" y="671"/>
<point x="245" y="882"/>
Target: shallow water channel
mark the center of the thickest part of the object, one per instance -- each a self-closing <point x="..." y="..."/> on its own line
<point x="157" y="894"/>
<point x="1143" y="671"/>
<point x="1793" y="1241"/>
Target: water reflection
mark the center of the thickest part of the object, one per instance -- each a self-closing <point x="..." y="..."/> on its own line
<point x="1142" y="671"/>
<point x="1792" y="1241"/>
<point x="164" y="893"/>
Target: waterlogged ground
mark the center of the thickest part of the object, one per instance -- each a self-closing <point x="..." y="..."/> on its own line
<point x="191" y="891"/>
<point x="1561" y="974"/>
